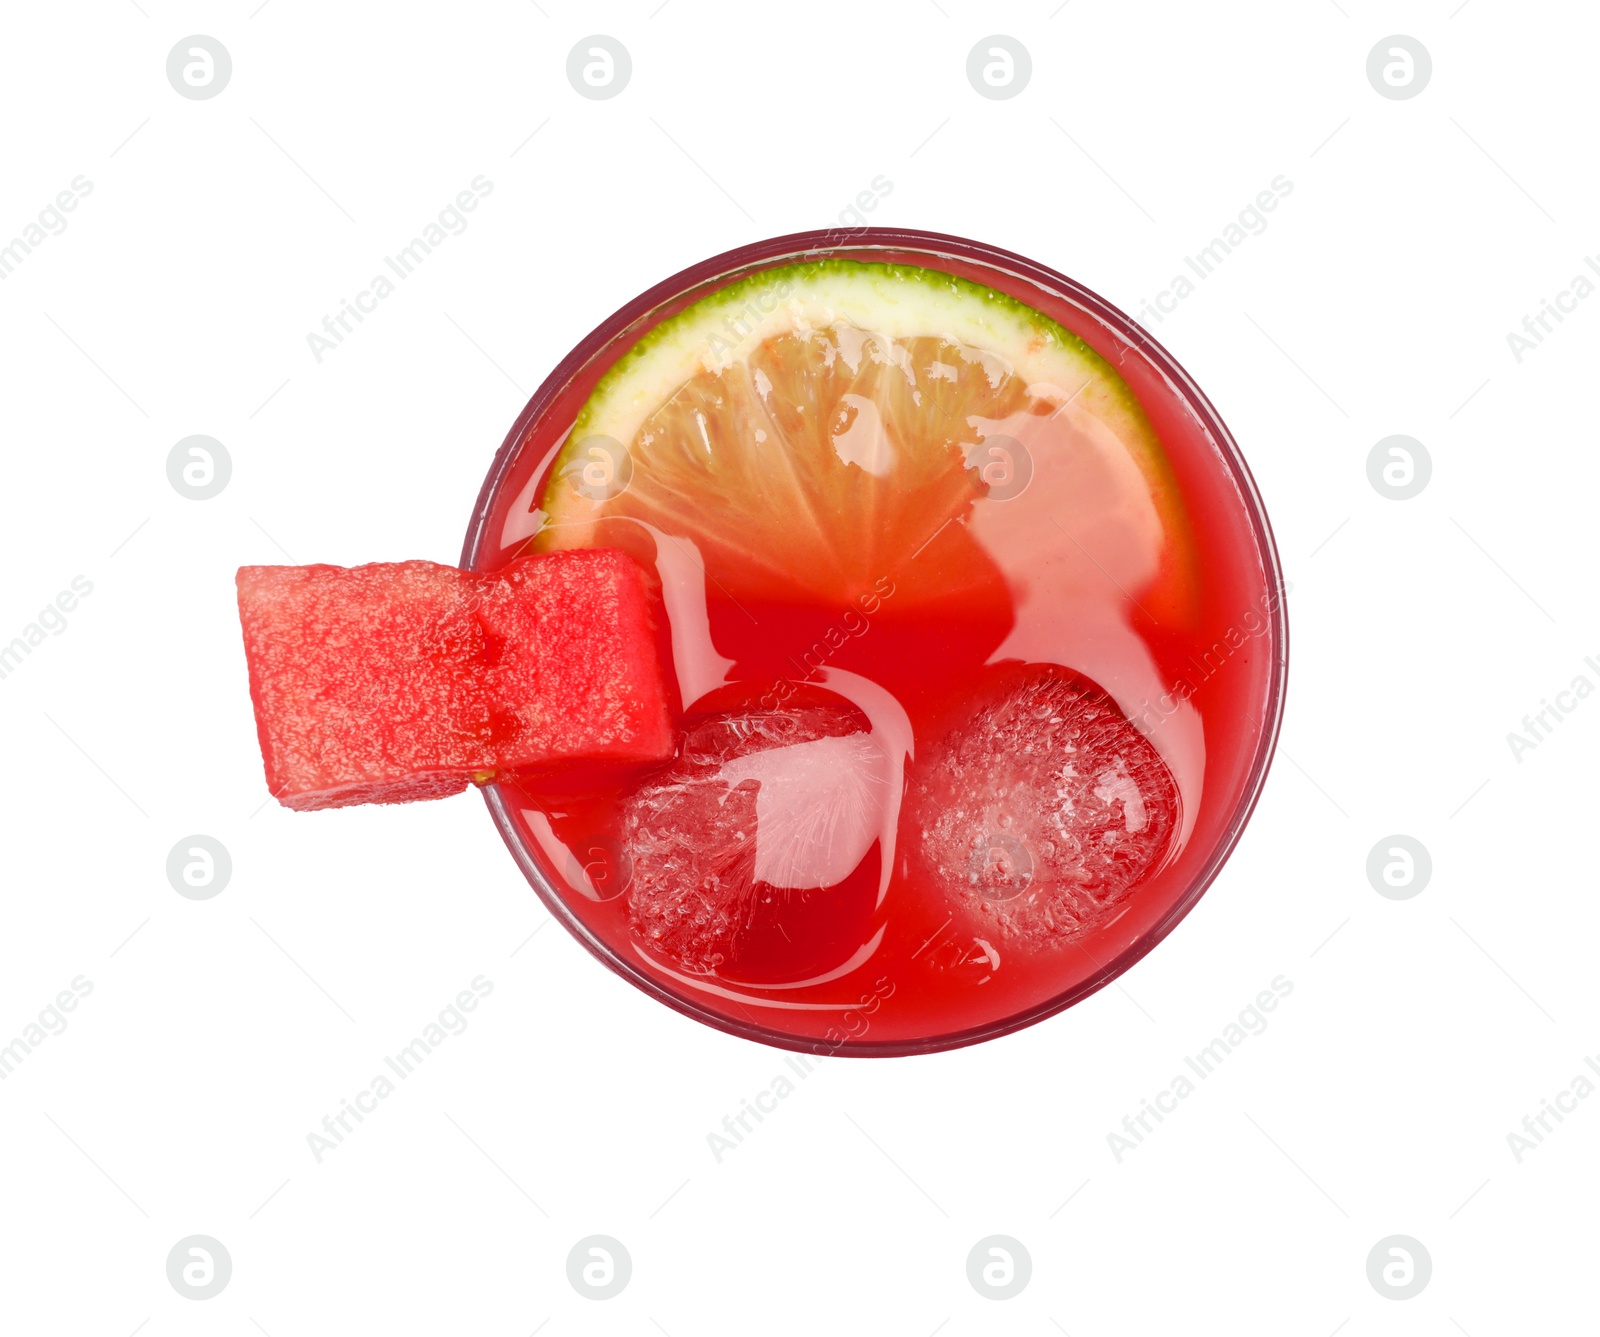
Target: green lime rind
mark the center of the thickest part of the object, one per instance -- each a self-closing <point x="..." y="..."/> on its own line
<point x="896" y="300"/>
<point x="891" y="299"/>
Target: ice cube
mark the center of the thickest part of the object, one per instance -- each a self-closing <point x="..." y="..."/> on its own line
<point x="1041" y="814"/>
<point x="753" y="848"/>
<point x="818" y="808"/>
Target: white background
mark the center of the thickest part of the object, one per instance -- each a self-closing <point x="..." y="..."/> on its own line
<point x="178" y="300"/>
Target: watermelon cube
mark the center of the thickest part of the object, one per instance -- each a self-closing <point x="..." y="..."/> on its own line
<point x="400" y="681"/>
<point x="573" y="676"/>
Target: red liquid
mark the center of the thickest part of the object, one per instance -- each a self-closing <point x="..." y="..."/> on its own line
<point x="1068" y="573"/>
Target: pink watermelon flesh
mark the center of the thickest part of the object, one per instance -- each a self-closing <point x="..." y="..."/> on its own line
<point x="572" y="662"/>
<point x="400" y="681"/>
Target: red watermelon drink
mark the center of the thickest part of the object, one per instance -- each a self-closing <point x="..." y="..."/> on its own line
<point x="968" y="620"/>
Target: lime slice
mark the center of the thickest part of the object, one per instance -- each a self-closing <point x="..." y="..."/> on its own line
<point x="812" y="427"/>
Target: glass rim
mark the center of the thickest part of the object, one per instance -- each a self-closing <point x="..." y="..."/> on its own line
<point x="795" y="247"/>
